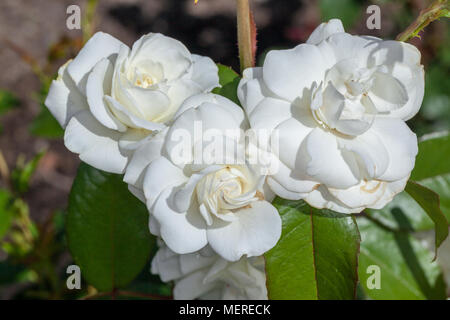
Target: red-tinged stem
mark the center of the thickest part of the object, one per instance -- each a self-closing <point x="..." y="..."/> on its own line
<point x="244" y="27"/>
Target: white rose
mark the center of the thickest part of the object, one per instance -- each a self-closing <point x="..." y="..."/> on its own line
<point x="338" y="105"/>
<point x="110" y="97"/>
<point x="223" y="203"/>
<point x="205" y="275"/>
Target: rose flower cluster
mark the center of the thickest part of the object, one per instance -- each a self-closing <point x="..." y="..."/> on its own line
<point x="335" y="107"/>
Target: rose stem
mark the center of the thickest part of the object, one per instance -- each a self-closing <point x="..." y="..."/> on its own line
<point x="438" y="9"/>
<point x="244" y="34"/>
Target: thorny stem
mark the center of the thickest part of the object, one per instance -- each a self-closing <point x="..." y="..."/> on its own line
<point x="244" y="34"/>
<point x="438" y="9"/>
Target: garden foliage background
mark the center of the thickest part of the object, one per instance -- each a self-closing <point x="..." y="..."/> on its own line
<point x="37" y="171"/>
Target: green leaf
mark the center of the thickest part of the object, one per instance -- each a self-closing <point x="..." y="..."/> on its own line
<point x="229" y="80"/>
<point x="346" y="10"/>
<point x="7" y="101"/>
<point x="406" y="268"/>
<point x="434" y="149"/>
<point x="432" y="168"/>
<point x="226" y="74"/>
<point x="6" y="212"/>
<point x="429" y="201"/>
<point x="107" y="229"/>
<point x="316" y="256"/>
<point x="22" y="174"/>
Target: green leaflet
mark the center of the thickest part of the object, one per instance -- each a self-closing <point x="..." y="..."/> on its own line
<point x="429" y="201"/>
<point x="107" y="229"/>
<point x="406" y="267"/>
<point x="229" y="81"/>
<point x="316" y="256"/>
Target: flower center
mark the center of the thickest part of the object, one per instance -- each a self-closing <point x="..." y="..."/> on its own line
<point x="144" y="82"/>
<point x="145" y="74"/>
<point x="341" y="103"/>
<point x="350" y="79"/>
<point x="356" y="86"/>
<point x="225" y="190"/>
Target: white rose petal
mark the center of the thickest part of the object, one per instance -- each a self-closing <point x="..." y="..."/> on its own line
<point x="96" y="144"/>
<point x="325" y="30"/>
<point x="253" y="233"/>
<point x="100" y="46"/>
<point x="64" y="99"/>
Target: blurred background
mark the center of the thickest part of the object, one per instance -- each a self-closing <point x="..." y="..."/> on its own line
<point x="35" y="168"/>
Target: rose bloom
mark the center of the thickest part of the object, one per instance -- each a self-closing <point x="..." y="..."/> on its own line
<point x="194" y="202"/>
<point x="205" y="275"/>
<point x="110" y="97"/>
<point x="338" y="105"/>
